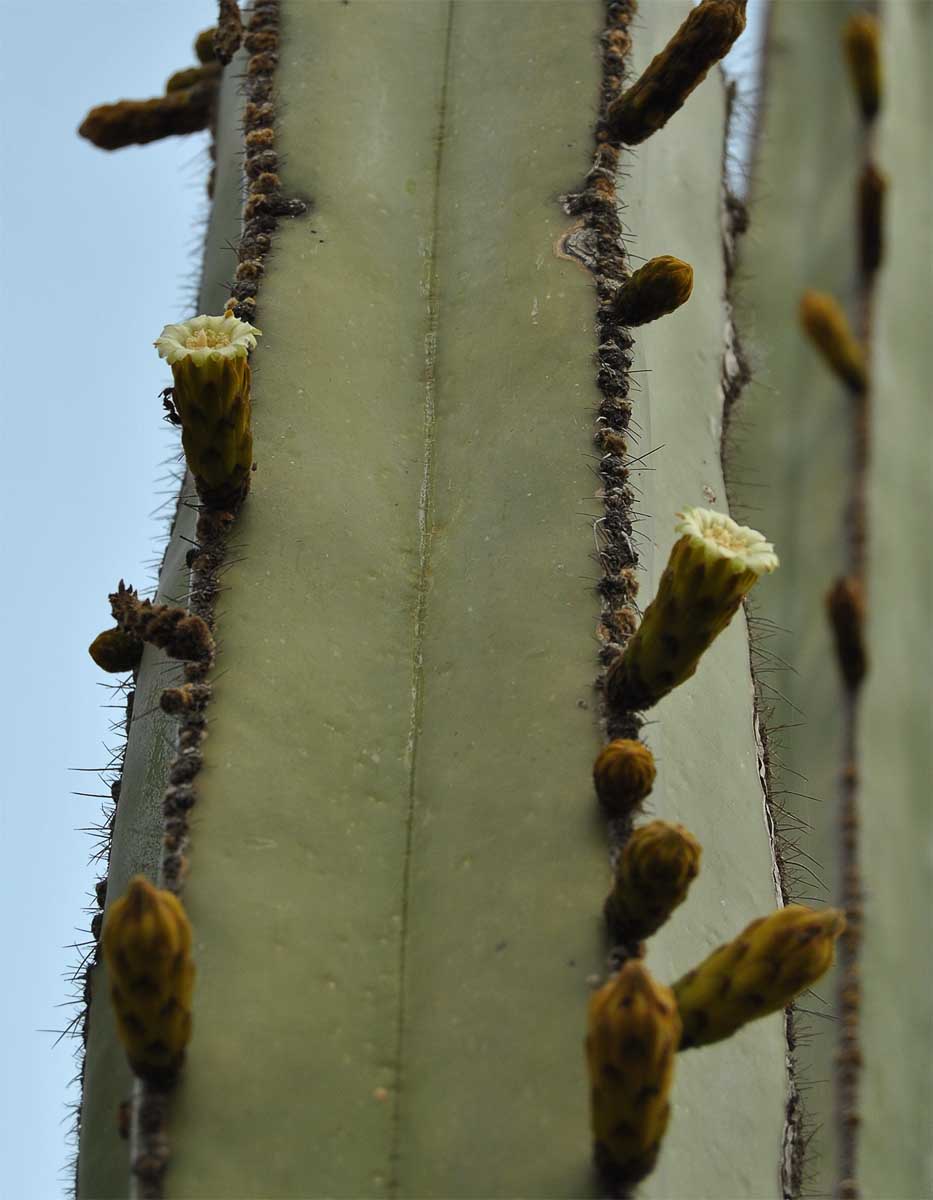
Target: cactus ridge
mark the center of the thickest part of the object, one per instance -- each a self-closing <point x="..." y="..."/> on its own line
<point x="222" y="493"/>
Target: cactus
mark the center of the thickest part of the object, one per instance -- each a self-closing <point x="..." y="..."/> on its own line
<point x="367" y="788"/>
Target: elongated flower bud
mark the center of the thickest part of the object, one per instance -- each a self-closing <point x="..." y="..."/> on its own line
<point x="825" y="324"/>
<point x="624" y="774"/>
<point x="845" y="604"/>
<point x="179" y="633"/>
<point x="147" y="944"/>
<point x="189" y="76"/>
<point x="871" y="192"/>
<point x="701" y="41"/>
<point x="129" y="122"/>
<point x="633" y="1034"/>
<point x="654" y="290"/>
<point x="652" y="878"/>
<point x="208" y="357"/>
<point x="762" y="970"/>
<point x="711" y="568"/>
<point x="861" y="42"/>
<point x="116" y="651"/>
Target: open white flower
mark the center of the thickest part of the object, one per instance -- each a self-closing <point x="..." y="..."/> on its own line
<point x="205" y="337"/>
<point x="719" y="537"/>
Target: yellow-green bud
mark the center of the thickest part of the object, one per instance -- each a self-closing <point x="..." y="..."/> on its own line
<point x="146" y="941"/>
<point x="701" y="41"/>
<point x="116" y="651"/>
<point x="652" y="877"/>
<point x="654" y="290"/>
<point x="623" y="774"/>
<point x="861" y="43"/>
<point x="762" y="970"/>
<point x="711" y="568"/>
<point x="633" y="1034"/>
<point x="825" y="324"/>
<point x="208" y="357"/>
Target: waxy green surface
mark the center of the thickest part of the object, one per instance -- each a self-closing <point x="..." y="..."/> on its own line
<point x="897" y="817"/>
<point x="789" y="467"/>
<point x="396" y="867"/>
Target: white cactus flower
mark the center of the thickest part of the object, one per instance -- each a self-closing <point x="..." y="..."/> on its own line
<point x="205" y="337"/>
<point x="719" y="537"/>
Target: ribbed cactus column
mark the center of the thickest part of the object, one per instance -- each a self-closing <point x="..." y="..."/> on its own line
<point x="102" y="1158"/>
<point x="897" y="817"/>
<point x="396" y="868"/>
<point x="792" y="472"/>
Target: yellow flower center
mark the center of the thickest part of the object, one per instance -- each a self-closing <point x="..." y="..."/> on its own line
<point x="206" y="339"/>
<point x="728" y="540"/>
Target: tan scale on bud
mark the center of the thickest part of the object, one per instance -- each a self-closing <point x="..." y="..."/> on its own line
<point x="825" y="324"/>
<point x="761" y="971"/>
<point x="632" y="1038"/>
<point x="116" y="651"/>
<point x="702" y="40"/>
<point x="654" y="290"/>
<point x="624" y="774"/>
<point x="211" y="394"/>
<point x="146" y="941"/>
<point x="652" y="877"/>
<point x="861" y="43"/>
<point x="712" y="567"/>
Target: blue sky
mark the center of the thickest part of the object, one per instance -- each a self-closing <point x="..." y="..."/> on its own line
<point x="100" y="251"/>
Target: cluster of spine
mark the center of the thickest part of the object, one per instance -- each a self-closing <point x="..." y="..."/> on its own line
<point x="846" y="352"/>
<point x="146" y="936"/>
<point x="266" y="202"/>
<point x="187" y="106"/>
<point x="635" y="1023"/>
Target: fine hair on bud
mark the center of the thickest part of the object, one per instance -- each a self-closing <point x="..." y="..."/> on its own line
<point x="652" y="878"/>
<point x="623" y="775"/>
<point x="702" y="40"/>
<point x="845" y="606"/>
<point x="711" y="568"/>
<point x="861" y="43"/>
<point x="662" y="285"/>
<point x="146" y="940"/>
<point x="825" y="324"/>
<point x="116" y="651"/>
<point x="872" y="187"/>
<point x="761" y="971"/>
<point x="632" y="1038"/>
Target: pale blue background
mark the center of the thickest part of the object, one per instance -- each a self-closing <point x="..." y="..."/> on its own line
<point x="98" y="252"/>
